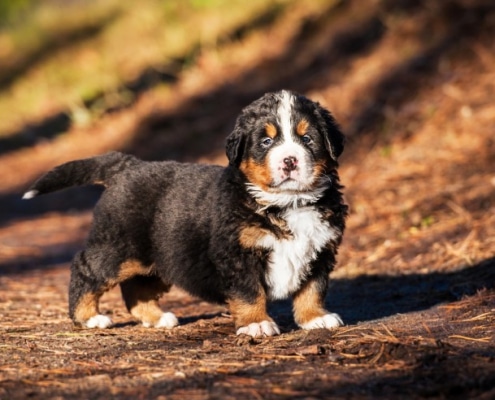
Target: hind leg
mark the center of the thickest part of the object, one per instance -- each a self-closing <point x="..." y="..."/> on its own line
<point x="98" y="269"/>
<point x="141" y="294"/>
<point x="85" y="290"/>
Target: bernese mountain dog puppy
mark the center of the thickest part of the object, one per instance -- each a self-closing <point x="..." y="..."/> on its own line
<point x="265" y="227"/>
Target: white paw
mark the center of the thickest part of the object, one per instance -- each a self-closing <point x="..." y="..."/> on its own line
<point x="99" y="321"/>
<point x="259" y="329"/>
<point x="327" y="321"/>
<point x="167" y="320"/>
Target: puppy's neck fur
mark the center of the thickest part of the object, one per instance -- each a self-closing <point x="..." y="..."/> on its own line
<point x="286" y="199"/>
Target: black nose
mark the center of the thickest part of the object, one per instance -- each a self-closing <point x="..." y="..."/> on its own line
<point x="290" y="164"/>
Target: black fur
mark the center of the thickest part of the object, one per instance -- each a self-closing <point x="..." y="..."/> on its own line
<point x="82" y="172"/>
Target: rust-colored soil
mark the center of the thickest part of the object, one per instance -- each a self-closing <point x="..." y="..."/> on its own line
<point x="413" y="85"/>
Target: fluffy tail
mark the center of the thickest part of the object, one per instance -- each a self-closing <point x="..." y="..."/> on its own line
<point x="96" y="170"/>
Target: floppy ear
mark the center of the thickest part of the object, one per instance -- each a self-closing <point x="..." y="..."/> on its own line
<point x="246" y="122"/>
<point x="334" y="138"/>
<point x="235" y="145"/>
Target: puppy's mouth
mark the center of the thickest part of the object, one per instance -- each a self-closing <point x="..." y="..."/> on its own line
<point x="292" y="185"/>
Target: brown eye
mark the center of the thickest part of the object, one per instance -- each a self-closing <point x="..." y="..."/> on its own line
<point x="266" y="142"/>
<point x="306" y="139"/>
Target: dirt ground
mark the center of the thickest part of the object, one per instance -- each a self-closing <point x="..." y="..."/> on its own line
<point x="412" y="84"/>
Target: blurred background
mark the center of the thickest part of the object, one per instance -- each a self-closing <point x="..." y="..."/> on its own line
<point x="412" y="84"/>
<point x="410" y="81"/>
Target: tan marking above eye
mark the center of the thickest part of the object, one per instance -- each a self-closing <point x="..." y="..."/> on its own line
<point x="302" y="127"/>
<point x="271" y="130"/>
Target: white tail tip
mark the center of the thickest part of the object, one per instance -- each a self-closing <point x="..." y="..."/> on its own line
<point x="30" y="194"/>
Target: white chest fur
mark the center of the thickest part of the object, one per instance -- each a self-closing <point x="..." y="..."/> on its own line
<point x="290" y="258"/>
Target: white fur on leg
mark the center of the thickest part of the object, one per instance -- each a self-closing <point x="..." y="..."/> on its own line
<point x="168" y="320"/>
<point x="327" y="321"/>
<point x="99" y="321"/>
<point x="259" y="329"/>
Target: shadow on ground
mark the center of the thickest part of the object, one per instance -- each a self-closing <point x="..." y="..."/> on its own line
<point x="372" y="297"/>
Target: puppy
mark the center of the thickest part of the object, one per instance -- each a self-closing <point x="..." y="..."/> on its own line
<point x="265" y="227"/>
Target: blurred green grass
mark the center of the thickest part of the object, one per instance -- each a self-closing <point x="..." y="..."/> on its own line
<point x="10" y="10"/>
<point x="60" y="55"/>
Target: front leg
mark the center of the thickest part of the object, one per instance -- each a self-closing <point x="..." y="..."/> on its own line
<point x="308" y="304"/>
<point x="251" y="318"/>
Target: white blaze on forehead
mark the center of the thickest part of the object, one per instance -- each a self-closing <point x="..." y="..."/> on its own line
<point x="301" y="178"/>
<point x="284" y="114"/>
